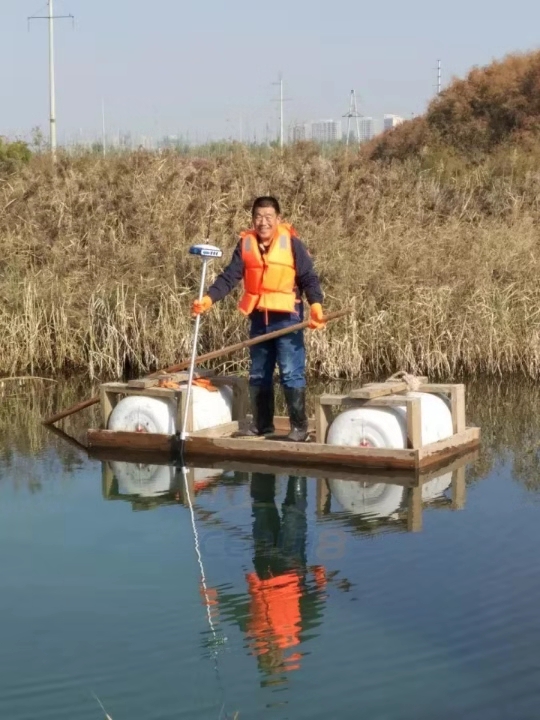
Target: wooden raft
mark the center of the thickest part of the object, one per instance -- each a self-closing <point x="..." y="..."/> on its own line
<point x="220" y="441"/>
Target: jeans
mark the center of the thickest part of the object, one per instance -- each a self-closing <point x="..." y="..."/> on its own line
<point x="287" y="351"/>
<point x="279" y="543"/>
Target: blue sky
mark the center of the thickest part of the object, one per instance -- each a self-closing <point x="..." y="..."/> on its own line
<point x="206" y="67"/>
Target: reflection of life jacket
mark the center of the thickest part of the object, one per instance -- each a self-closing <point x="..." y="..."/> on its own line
<point x="269" y="278"/>
<point x="274" y="613"/>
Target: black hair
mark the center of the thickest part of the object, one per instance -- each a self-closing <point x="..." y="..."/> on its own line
<point x="266" y="201"/>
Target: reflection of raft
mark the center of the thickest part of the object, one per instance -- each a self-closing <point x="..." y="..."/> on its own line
<point x="138" y="480"/>
<point x="381" y="500"/>
<point x="442" y="488"/>
<point x="393" y="427"/>
<point x="148" y="486"/>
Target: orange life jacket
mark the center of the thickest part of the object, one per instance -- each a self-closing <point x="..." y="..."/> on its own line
<point x="269" y="279"/>
<point x="274" y="611"/>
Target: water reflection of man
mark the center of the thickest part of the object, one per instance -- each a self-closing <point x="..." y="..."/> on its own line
<point x="283" y="604"/>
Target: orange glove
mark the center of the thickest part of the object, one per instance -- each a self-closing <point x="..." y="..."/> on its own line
<point x="201" y="306"/>
<point x="316" y="321"/>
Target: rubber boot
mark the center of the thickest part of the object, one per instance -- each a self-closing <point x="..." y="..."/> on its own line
<point x="296" y="405"/>
<point x="262" y="410"/>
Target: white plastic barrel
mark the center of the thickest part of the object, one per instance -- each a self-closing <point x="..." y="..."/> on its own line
<point x="380" y="500"/>
<point x="387" y="427"/>
<point x="143" y="480"/>
<point x="138" y="413"/>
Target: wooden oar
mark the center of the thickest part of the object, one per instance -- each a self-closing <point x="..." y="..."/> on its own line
<point x="202" y="358"/>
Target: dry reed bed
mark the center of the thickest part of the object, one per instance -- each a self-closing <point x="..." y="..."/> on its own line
<point x="439" y="260"/>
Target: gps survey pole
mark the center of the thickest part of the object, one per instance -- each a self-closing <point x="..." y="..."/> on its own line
<point x="207" y="253"/>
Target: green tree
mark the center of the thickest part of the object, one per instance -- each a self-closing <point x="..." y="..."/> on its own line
<point x="13" y="155"/>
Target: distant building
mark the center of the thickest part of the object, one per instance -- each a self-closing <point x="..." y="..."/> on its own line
<point x="392" y="121"/>
<point x="299" y="133"/>
<point x="146" y="143"/>
<point x="125" y="141"/>
<point x="324" y="131"/>
<point x="365" y="125"/>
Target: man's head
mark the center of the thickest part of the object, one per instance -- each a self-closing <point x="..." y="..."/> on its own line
<point x="266" y="217"/>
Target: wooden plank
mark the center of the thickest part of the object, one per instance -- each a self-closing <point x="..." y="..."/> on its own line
<point x="180" y="398"/>
<point x="323" y="496"/>
<point x="457" y="403"/>
<point x="148" y="382"/>
<point x="405" y="478"/>
<point x="120" y="454"/>
<point x="346" y="401"/>
<point x="414" y="509"/>
<point x="370" y="391"/>
<point x="302" y="452"/>
<point x="190" y="425"/>
<point x="459" y="489"/>
<point x="448" y="466"/>
<point x="323" y="418"/>
<point x="441" y="388"/>
<point x="328" y="399"/>
<point x="142" y="383"/>
<point x="182" y="375"/>
<point x="107" y="403"/>
<point x="376" y="390"/>
<point x="131" y="441"/>
<point x="225" y="430"/>
<point x="109" y="486"/>
<point x="445" y="449"/>
<point x="222" y="380"/>
<point x="414" y="422"/>
<point x="123" y="389"/>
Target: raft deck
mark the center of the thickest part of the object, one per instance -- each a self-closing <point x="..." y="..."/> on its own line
<point x="226" y="442"/>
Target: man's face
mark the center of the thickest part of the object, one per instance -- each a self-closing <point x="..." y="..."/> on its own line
<point x="265" y="222"/>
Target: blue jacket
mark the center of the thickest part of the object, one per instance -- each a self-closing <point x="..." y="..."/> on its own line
<point x="307" y="280"/>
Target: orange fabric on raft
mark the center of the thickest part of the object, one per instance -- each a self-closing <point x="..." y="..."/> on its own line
<point x="199" y="382"/>
<point x="269" y="279"/>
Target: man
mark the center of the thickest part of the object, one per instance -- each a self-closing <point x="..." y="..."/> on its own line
<point x="277" y="271"/>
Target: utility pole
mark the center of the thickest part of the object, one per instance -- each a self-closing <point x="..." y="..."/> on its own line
<point x="281" y="100"/>
<point x="353" y="113"/>
<point x="51" y="17"/>
<point x="103" y="133"/>
<point x="281" y="119"/>
<point x="439" y="85"/>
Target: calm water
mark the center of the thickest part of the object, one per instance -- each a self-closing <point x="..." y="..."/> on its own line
<point x="317" y="601"/>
